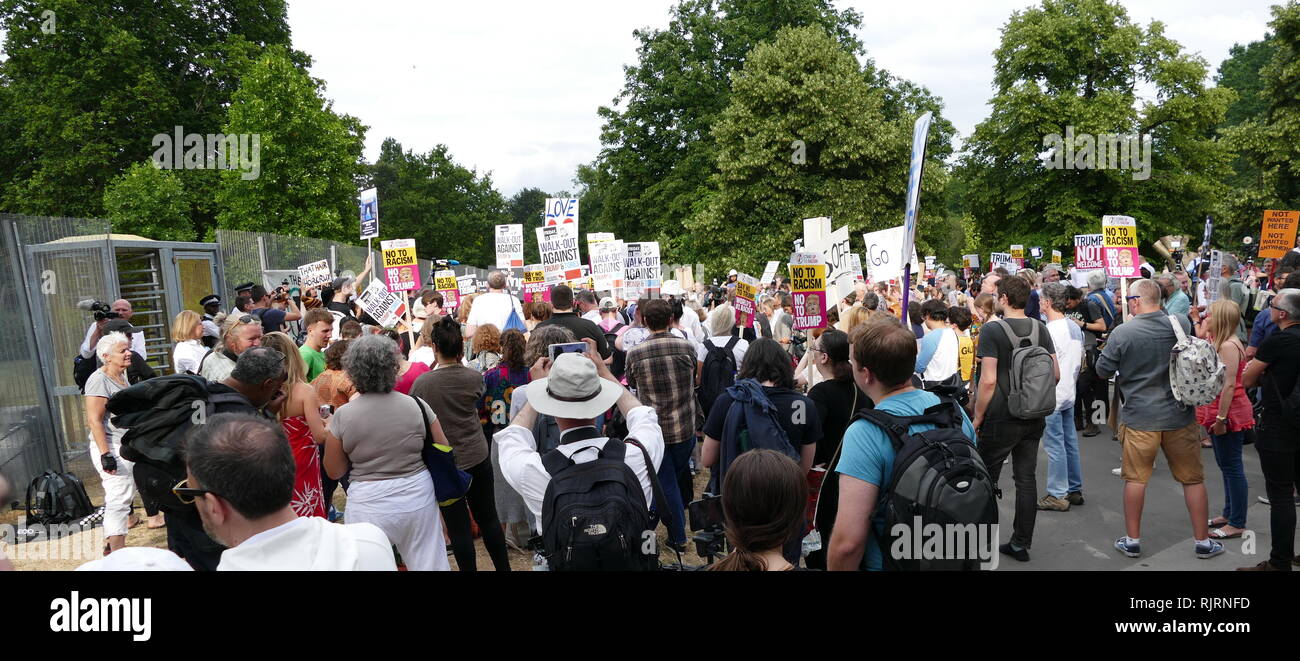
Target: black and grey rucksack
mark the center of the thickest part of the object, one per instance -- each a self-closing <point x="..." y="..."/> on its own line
<point x="1031" y="390"/>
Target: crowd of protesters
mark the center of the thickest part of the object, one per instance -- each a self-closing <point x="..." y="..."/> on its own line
<point x="343" y="403"/>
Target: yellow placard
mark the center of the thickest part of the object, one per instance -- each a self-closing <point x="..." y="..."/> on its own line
<point x="1277" y="235"/>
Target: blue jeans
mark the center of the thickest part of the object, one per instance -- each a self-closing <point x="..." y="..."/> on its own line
<point x="677" y="458"/>
<point x="1062" y="446"/>
<point x="1227" y="454"/>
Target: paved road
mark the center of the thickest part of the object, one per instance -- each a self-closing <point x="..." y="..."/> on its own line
<point x="1083" y="538"/>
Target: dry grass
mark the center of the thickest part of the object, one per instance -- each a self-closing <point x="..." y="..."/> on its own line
<point x="142" y="536"/>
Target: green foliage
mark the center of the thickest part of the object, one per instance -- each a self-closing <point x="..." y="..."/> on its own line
<point x="659" y="148"/>
<point x="1078" y="63"/>
<point x="79" y="106"/>
<point x="1267" y="173"/>
<point x="309" y="160"/>
<point x="149" y="202"/>
<point x="448" y="209"/>
<point x="805" y="134"/>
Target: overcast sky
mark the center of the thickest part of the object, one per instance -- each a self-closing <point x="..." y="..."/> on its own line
<point x="513" y="87"/>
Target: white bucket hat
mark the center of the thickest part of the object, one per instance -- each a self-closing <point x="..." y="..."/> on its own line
<point x="573" y="389"/>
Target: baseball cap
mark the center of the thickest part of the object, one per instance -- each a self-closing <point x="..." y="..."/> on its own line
<point x="119" y="326"/>
<point x="608" y="303"/>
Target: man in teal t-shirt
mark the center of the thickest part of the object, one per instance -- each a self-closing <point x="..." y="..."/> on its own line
<point x="882" y="359"/>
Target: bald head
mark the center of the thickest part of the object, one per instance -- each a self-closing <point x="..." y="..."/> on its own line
<point x="1149" y="291"/>
<point x="123" y="309"/>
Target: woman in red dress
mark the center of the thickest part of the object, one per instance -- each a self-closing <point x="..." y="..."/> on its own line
<point x="301" y="418"/>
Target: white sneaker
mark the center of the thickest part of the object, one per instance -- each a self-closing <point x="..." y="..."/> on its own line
<point x="1116" y="471"/>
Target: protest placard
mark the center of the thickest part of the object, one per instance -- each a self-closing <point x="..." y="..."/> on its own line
<point x="315" y="274"/>
<point x="384" y="306"/>
<point x="445" y="282"/>
<point x="769" y="273"/>
<point x="1119" y="247"/>
<point x="746" y="291"/>
<point x="642" y="267"/>
<point x="562" y="211"/>
<point x="535" y="287"/>
<point x="1087" y="252"/>
<point x="839" y="264"/>
<point x="608" y="264"/>
<point x="1277" y="235"/>
<point x="885" y="259"/>
<point x="1056" y="256"/>
<point x="510" y="246"/>
<point x="401" y="271"/>
<point x="1003" y="260"/>
<point x="369" y="205"/>
<point x="558" y="245"/>
<point x="1213" y="278"/>
<point x="808" y="289"/>
<point x="971" y="261"/>
<point x="466" y="284"/>
<point x="1018" y="255"/>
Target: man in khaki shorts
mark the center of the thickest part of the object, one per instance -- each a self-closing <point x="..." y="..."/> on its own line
<point x="1151" y="419"/>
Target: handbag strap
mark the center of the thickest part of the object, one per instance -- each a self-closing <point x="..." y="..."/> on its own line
<point x="424" y="417"/>
<point x="1178" y="329"/>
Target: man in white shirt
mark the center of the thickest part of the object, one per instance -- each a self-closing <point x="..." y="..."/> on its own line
<point x="575" y="389"/>
<point x="585" y="301"/>
<point x="240" y="476"/>
<point x="493" y="307"/>
<point x="1060" y="442"/>
<point x="123" y="309"/>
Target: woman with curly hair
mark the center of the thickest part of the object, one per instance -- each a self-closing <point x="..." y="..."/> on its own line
<point x="501" y="383"/>
<point x="487" y="347"/>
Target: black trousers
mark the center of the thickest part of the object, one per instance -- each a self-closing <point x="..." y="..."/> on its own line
<point x="1086" y="389"/>
<point x="1019" y="439"/>
<point x="1279" y="459"/>
<point x="481" y="500"/>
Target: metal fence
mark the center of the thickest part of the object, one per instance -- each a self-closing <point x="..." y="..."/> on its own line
<point x="47" y="266"/>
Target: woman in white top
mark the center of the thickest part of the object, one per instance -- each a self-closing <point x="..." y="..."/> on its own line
<point x="114" y="351"/>
<point x="187" y="333"/>
<point x="939" y="354"/>
<point x="720" y="324"/>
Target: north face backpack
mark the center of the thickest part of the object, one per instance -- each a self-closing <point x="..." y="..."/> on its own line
<point x="56" y="498"/>
<point x="594" y="514"/>
<point x="1031" y="391"/>
<point x="938" y="478"/>
<point x="1196" y="374"/>
<point x="717" y="373"/>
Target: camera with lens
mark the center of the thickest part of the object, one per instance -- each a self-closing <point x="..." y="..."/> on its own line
<point x="716" y="296"/>
<point x="100" y="309"/>
<point x="707" y="524"/>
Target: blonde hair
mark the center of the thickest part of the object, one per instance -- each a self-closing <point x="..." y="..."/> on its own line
<point x="462" y="312"/>
<point x="853" y="317"/>
<point x="1224" y="318"/>
<point x="183" y="325"/>
<point x="293" y="364"/>
<point x="722" y="320"/>
<point x="1030" y="276"/>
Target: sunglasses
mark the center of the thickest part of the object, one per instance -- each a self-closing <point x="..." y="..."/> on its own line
<point x="187" y="495"/>
<point x="1129" y="298"/>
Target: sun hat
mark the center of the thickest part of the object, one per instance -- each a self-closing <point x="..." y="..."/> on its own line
<point x="573" y="389"/>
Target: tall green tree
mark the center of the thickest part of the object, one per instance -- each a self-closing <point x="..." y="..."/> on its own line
<point x="149" y="202"/>
<point x="1268" y="170"/>
<point x="448" y="209"/>
<point x="659" y="150"/>
<point x="806" y="133"/>
<point x="1078" y="63"/>
<point x="303" y="182"/>
<point x="82" y="96"/>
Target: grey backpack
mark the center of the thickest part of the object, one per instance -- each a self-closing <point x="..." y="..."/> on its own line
<point x="1196" y="374"/>
<point x="1031" y="390"/>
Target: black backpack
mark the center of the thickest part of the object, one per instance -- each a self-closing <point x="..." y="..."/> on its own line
<point x="620" y="357"/>
<point x="57" y="498"/>
<point x="938" y="478"/>
<point x="156" y="415"/>
<point x="594" y="514"/>
<point x="717" y="374"/>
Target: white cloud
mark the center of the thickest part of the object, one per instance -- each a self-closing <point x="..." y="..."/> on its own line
<point x="513" y="87"/>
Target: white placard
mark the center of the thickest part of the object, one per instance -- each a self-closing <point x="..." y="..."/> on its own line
<point x="510" y="246"/>
<point x="608" y="264"/>
<point x="315" y="274"/>
<point x="386" y="307"/>
<point x="885" y="254"/>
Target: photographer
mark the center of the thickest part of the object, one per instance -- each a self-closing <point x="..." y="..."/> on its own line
<point x="272" y="309"/>
<point x="120" y="309"/>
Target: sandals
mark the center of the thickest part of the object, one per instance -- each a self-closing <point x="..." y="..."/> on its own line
<point x="1218" y="533"/>
<point x="1214" y="525"/>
